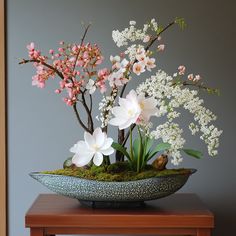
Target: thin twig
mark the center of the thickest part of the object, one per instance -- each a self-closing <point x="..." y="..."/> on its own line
<point x="43" y="63"/>
<point x="90" y="118"/>
<point x="81" y="43"/>
<point x="91" y="102"/>
<point x="79" y="119"/>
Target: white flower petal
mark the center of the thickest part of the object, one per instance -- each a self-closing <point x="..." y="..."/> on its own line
<point x="108" y="151"/>
<point x="98" y="159"/>
<point x="108" y="142"/>
<point x="77" y="147"/>
<point x="99" y="137"/>
<point x="81" y="160"/>
<point x="89" y="139"/>
<point x="117" y="121"/>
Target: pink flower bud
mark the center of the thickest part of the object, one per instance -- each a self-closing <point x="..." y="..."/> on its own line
<point x="181" y="70"/>
<point x="61" y="49"/>
<point x="190" y="77"/>
<point x="197" y="78"/>
<point x="51" y="51"/>
<point x="57" y="91"/>
<point x="161" y="47"/>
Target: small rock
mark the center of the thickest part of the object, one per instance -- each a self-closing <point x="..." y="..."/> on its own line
<point x="160" y="162"/>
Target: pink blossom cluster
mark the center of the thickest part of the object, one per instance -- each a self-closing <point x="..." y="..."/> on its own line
<point x="75" y="64"/>
<point x="191" y="77"/>
<point x="143" y="61"/>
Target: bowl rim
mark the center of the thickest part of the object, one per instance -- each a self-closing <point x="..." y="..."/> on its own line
<point x="192" y="171"/>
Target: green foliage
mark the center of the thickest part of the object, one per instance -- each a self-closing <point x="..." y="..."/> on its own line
<point x="180" y="22"/>
<point x="142" y="150"/>
<point x="120" y="171"/>
<point x="121" y="149"/>
<point x="159" y="29"/>
<point x="213" y="91"/>
<point x="193" y="153"/>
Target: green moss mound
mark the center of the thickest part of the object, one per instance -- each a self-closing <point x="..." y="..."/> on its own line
<point x="120" y="171"/>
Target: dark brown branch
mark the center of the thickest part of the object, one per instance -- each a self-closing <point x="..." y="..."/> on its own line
<point x="82" y="40"/>
<point x="43" y="63"/>
<point x="79" y="119"/>
<point x="91" y="102"/>
<point x="90" y="118"/>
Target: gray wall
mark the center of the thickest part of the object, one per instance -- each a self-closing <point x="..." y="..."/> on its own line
<point x="42" y="129"/>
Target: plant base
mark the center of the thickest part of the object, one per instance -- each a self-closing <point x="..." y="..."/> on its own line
<point x="112" y="204"/>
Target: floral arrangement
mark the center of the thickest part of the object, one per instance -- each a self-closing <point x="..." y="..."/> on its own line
<point x="79" y="69"/>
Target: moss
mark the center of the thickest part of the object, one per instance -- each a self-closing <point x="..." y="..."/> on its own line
<point x="120" y="171"/>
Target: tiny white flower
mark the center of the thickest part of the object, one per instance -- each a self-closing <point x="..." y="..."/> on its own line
<point x="94" y="147"/>
<point x="132" y="22"/>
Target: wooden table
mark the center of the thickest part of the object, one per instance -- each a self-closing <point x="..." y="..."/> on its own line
<point x="178" y="214"/>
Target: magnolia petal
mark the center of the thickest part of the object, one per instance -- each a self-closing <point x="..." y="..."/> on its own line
<point x="77" y="147"/>
<point x="108" y="142"/>
<point x="81" y="161"/>
<point x="89" y="139"/>
<point x="117" y="121"/>
<point x="108" y="151"/>
<point x="98" y="158"/>
<point x="99" y="137"/>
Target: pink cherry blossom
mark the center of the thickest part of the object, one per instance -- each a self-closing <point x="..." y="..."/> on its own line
<point x="181" y="70"/>
<point x="138" y="68"/>
<point x="150" y="63"/>
<point x="161" y="47"/>
<point x="196" y="78"/>
<point x="190" y="77"/>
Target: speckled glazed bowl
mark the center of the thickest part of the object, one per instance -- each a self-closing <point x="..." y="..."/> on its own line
<point x="90" y="191"/>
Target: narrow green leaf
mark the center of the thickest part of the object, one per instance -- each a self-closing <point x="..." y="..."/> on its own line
<point x="121" y="149"/>
<point x="181" y="22"/>
<point x="160" y="147"/>
<point x="148" y="145"/>
<point x="136" y="147"/>
<point x="193" y="153"/>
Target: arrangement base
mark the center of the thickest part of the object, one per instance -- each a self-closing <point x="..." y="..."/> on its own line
<point x="112" y="204"/>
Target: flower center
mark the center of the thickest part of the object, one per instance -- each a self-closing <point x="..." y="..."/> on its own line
<point x="141" y="105"/>
<point x="130" y="112"/>
<point x="95" y="147"/>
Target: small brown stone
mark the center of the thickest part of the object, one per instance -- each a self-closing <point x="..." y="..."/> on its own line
<point x="160" y="162"/>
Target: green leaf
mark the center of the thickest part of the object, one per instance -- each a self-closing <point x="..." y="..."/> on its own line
<point x="136" y="147"/>
<point x="148" y="144"/>
<point x="181" y="22"/>
<point x="121" y="149"/>
<point x="193" y="153"/>
<point x="158" y="148"/>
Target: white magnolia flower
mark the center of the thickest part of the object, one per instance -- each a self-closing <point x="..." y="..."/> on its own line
<point x="132" y="109"/>
<point x="148" y="107"/>
<point x="91" y="86"/>
<point x="94" y="147"/>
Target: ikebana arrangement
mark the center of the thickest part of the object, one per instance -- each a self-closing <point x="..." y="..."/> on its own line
<point x="162" y="97"/>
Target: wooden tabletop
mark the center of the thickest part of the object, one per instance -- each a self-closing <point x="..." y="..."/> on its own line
<point x="177" y="210"/>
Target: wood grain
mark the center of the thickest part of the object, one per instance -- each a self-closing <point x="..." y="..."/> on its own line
<point x="2" y="124"/>
<point x="177" y="214"/>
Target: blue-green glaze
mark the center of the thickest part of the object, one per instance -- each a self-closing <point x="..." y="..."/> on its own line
<point x="92" y="190"/>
